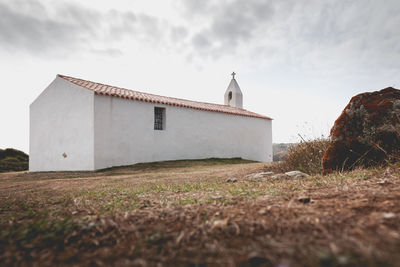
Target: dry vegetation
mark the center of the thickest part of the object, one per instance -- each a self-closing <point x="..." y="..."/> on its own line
<point x="305" y="156"/>
<point x="185" y="213"/>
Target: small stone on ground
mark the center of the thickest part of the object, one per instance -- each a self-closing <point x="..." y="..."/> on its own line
<point x="389" y="215"/>
<point x="296" y="174"/>
<point x="259" y="177"/>
<point x="304" y="200"/>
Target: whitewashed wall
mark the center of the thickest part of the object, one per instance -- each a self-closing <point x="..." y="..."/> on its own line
<point x="124" y="134"/>
<point x="61" y="121"/>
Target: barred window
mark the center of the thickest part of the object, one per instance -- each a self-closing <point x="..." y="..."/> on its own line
<point x="159" y="118"/>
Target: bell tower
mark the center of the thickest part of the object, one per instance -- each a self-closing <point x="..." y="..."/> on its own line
<point x="233" y="95"/>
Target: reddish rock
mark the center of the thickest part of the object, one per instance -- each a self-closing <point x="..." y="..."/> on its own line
<point x="366" y="133"/>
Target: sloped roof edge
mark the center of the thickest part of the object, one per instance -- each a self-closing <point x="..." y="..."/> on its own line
<point x="104" y="89"/>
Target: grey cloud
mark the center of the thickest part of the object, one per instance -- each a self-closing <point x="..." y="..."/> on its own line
<point x="107" y="52"/>
<point x="303" y="32"/>
<point x="24" y="31"/>
<point x="200" y="41"/>
<point x="29" y="26"/>
<point x="33" y="6"/>
<point x="192" y="8"/>
<point x="231" y="23"/>
<point x="178" y="34"/>
<point x="125" y="24"/>
<point x="151" y="27"/>
<point x="121" y="24"/>
<point x="355" y="32"/>
<point x="307" y="32"/>
<point x="237" y="21"/>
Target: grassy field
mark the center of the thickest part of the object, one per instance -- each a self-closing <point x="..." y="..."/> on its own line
<point x="185" y="213"/>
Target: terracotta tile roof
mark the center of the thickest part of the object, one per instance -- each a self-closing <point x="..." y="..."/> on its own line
<point x="103" y="89"/>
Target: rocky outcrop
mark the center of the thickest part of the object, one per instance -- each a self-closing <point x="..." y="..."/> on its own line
<point x="366" y="133"/>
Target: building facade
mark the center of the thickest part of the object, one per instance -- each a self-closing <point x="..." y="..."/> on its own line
<point x="81" y="125"/>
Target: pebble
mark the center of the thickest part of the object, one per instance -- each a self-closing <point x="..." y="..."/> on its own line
<point x="296" y="174"/>
<point x="304" y="200"/>
<point x="259" y="177"/>
<point x="389" y="215"/>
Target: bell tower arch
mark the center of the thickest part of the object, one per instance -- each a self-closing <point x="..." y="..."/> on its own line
<point x="233" y="95"/>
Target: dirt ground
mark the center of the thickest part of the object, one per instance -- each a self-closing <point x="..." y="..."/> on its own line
<point x="186" y="213"/>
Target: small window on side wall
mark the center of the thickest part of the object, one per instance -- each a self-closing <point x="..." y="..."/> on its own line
<point x="159" y="118"/>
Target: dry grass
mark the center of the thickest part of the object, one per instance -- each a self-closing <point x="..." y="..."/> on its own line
<point x="186" y="213"/>
<point x="305" y="156"/>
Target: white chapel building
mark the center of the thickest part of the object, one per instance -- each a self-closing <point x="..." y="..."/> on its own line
<point x="77" y="124"/>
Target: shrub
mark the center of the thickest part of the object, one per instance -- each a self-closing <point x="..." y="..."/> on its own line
<point x="13" y="160"/>
<point x="305" y="156"/>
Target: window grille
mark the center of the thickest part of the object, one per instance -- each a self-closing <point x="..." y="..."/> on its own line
<point x="159" y="118"/>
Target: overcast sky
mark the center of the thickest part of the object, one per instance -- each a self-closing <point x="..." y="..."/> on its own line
<point x="297" y="61"/>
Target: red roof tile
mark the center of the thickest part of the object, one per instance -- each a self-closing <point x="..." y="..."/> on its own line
<point x="103" y="89"/>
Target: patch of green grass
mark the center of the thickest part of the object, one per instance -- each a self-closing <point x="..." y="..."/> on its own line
<point x="179" y="164"/>
<point x="120" y="205"/>
<point x="244" y="191"/>
<point x="182" y="202"/>
<point x="122" y="195"/>
<point x="190" y="187"/>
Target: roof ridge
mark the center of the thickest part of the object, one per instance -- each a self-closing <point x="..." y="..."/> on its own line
<point x="164" y="99"/>
<point x="170" y="97"/>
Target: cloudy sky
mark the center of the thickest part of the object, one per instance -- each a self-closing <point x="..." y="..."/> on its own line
<point x="297" y="61"/>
